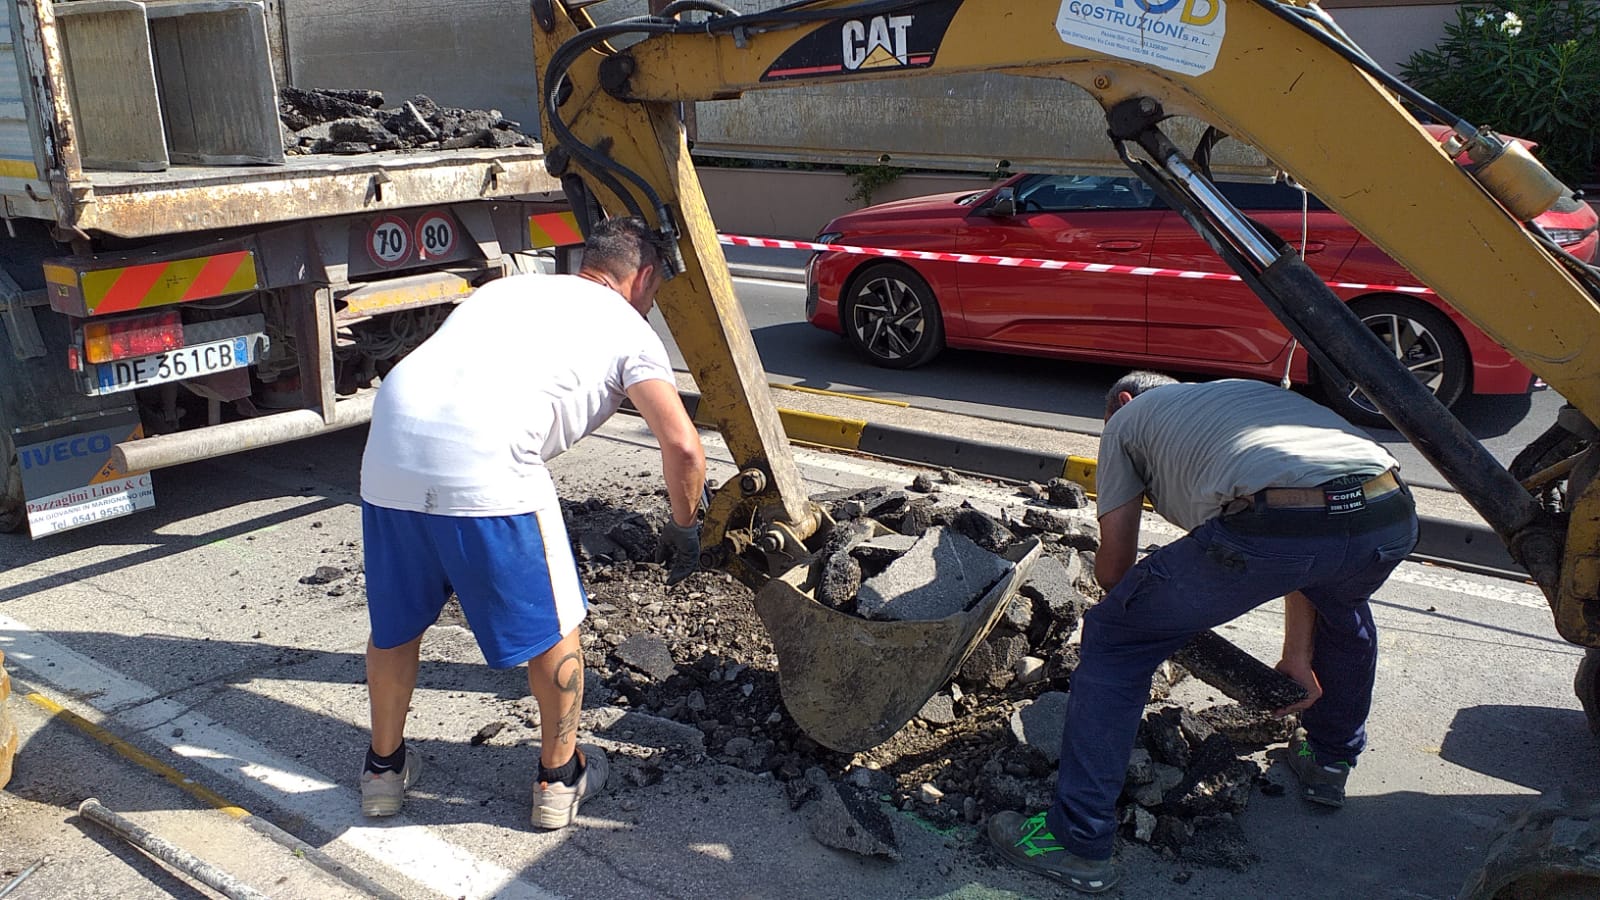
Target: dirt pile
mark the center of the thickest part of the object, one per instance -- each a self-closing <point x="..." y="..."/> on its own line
<point x="698" y="655"/>
<point x="356" y="121"/>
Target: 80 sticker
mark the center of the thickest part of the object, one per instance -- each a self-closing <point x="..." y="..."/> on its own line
<point x="436" y="235"/>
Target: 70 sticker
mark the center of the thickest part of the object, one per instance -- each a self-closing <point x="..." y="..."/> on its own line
<point x="392" y="241"/>
<point x="389" y="241"/>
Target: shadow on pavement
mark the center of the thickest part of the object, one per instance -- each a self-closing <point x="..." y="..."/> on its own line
<point x="670" y="820"/>
<point x="1526" y="745"/>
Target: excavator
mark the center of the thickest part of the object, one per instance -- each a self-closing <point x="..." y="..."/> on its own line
<point x="1279" y="75"/>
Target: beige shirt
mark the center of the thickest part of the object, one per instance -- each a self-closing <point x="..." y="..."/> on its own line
<point x="1192" y="448"/>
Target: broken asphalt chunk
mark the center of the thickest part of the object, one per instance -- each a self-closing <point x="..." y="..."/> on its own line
<point x="1039" y="724"/>
<point x="1215" y="660"/>
<point x="648" y="654"/>
<point x="848" y="818"/>
<point x="941" y="575"/>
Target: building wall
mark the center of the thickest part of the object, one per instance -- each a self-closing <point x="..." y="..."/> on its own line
<point x="1391" y="32"/>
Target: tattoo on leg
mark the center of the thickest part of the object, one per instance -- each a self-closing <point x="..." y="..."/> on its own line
<point x="569" y="678"/>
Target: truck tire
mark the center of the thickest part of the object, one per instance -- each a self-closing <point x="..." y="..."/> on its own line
<point x="13" y="505"/>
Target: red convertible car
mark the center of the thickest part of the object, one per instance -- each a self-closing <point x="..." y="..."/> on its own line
<point x="901" y="313"/>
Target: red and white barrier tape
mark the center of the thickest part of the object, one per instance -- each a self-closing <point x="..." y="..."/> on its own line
<point x="1021" y="262"/>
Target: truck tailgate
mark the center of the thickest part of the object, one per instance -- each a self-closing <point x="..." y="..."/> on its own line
<point x="193" y="198"/>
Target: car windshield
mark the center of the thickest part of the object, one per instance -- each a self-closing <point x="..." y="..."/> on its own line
<point x="1058" y="193"/>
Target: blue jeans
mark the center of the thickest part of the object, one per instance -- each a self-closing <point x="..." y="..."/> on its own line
<point x="1221" y="570"/>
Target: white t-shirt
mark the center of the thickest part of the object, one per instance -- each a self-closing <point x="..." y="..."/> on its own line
<point x="521" y="370"/>
<point x="1192" y="448"/>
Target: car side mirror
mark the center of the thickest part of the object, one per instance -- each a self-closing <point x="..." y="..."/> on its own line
<point x="1004" y="204"/>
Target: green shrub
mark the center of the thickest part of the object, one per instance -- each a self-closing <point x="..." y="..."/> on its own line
<point x="1529" y="68"/>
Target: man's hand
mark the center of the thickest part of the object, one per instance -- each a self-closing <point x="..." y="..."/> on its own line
<point x="679" y="548"/>
<point x="1300" y="671"/>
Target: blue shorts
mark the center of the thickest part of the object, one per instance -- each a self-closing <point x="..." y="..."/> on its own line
<point x="514" y="576"/>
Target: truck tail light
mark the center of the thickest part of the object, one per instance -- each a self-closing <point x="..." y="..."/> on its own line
<point x="133" y="336"/>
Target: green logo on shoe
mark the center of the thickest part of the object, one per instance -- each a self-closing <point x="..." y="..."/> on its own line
<point x="1034" y="835"/>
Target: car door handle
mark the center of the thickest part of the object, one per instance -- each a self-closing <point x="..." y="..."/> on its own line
<point x="1311" y="246"/>
<point x="1120" y="246"/>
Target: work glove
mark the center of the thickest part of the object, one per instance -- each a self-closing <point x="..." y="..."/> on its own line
<point x="679" y="548"/>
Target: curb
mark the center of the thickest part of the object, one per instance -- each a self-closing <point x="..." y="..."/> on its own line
<point x="770" y="273"/>
<point x="1461" y="545"/>
<point x="57" y="712"/>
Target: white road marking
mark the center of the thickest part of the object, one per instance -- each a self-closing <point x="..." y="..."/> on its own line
<point x="399" y="844"/>
<point x="1513" y="592"/>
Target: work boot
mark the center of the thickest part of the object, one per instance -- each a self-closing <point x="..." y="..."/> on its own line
<point x="382" y="792"/>
<point x="1028" y="843"/>
<point x="555" y="805"/>
<point x="1320" y="783"/>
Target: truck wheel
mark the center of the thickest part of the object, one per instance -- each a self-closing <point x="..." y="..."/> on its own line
<point x="1423" y="339"/>
<point x="13" y="506"/>
<point x="1587" y="686"/>
<point x="891" y="317"/>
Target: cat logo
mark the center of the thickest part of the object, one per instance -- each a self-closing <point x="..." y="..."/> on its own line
<point x="878" y="43"/>
<point x="886" y="43"/>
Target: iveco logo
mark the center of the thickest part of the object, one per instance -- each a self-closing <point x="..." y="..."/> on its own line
<point x="879" y="42"/>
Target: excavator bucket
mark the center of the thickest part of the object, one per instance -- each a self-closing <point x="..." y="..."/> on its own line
<point x="850" y="682"/>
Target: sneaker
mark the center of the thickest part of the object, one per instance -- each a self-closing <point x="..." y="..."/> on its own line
<point x="1319" y="784"/>
<point x="556" y="805"/>
<point x="382" y="792"/>
<point x="1027" y="842"/>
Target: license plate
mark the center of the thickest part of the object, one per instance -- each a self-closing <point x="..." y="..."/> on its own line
<point x="176" y="365"/>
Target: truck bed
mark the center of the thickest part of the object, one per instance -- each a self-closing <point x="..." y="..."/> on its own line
<point x="190" y="198"/>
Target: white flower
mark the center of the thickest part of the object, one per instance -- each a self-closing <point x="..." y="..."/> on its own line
<point x="1511" y="25"/>
<point x="1479" y="20"/>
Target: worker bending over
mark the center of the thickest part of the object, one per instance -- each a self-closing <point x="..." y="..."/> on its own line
<point x="1281" y="498"/>
<point x="456" y="496"/>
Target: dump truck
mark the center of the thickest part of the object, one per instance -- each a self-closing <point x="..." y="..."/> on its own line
<point x="176" y="283"/>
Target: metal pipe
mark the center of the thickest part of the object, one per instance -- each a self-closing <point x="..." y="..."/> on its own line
<point x="172" y="855"/>
<point x="1250" y="242"/>
<point x="234" y="437"/>
<point x="1500" y="499"/>
<point x="17" y="881"/>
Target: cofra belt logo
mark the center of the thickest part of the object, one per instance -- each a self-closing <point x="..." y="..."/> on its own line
<point x="899" y="41"/>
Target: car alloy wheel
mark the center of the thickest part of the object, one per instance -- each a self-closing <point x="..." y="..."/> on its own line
<point x="1424" y="341"/>
<point x="892" y="317"/>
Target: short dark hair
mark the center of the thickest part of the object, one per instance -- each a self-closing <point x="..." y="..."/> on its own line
<point x="621" y="247"/>
<point x="1135" y="383"/>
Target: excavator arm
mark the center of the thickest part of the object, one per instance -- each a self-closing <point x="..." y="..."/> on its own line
<point x="1278" y="75"/>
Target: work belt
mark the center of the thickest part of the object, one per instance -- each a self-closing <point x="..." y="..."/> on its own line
<point x="1347" y="504"/>
<point x="1330" y="496"/>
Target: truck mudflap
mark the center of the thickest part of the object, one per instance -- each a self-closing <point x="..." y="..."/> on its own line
<point x="68" y="477"/>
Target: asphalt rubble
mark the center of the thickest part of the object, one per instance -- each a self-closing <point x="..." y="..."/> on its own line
<point x="690" y="674"/>
<point x="358" y="121"/>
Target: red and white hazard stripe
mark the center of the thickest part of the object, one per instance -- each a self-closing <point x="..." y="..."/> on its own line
<point x="1022" y="262"/>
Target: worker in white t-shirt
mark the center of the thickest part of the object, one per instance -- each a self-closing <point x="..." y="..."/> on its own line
<point x="456" y="496"/>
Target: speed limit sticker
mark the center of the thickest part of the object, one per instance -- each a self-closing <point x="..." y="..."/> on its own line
<point x="389" y="242"/>
<point x="436" y="235"/>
